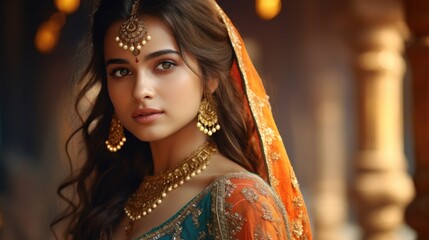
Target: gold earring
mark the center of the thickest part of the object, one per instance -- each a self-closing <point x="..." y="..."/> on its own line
<point x="116" y="138"/>
<point x="207" y="118"/>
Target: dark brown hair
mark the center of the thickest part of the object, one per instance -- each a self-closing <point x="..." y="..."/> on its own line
<point x="106" y="179"/>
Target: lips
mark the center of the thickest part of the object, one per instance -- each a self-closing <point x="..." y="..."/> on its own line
<point x="147" y="115"/>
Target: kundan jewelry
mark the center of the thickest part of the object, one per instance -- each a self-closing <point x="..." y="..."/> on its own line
<point x="154" y="189"/>
<point x="116" y="138"/>
<point x="207" y="118"/>
<point x="133" y="34"/>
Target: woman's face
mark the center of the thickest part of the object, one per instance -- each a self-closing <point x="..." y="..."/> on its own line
<point x="157" y="96"/>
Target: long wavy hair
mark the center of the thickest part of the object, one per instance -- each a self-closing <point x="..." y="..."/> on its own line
<point x="105" y="180"/>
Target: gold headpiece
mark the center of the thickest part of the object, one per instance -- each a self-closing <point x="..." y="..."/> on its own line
<point x="133" y="34"/>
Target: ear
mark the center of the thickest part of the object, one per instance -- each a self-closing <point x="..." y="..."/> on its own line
<point x="213" y="84"/>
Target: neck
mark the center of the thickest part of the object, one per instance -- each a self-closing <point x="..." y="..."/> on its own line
<point x="169" y="152"/>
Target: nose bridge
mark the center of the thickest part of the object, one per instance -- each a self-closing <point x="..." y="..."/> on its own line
<point x="143" y="86"/>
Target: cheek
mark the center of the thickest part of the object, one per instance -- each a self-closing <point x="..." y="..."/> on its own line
<point x="187" y="93"/>
<point x="117" y="94"/>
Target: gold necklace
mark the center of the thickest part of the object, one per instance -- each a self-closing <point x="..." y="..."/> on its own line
<point x="154" y="188"/>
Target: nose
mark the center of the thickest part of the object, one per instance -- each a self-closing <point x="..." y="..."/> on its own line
<point x="143" y="88"/>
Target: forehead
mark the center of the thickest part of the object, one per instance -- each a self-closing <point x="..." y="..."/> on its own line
<point x="161" y="38"/>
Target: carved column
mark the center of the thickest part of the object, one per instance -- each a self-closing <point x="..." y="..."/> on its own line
<point x="382" y="186"/>
<point x="329" y="212"/>
<point x="417" y="15"/>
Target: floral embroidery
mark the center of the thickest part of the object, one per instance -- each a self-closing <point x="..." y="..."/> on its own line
<point x="261" y="234"/>
<point x="295" y="183"/>
<point x="249" y="194"/>
<point x="202" y="235"/>
<point x="275" y="156"/>
<point x="266" y="212"/>
<point x="297" y="228"/>
<point x="298" y="202"/>
<point x="226" y="218"/>
<point x="177" y="232"/>
<point x="195" y="215"/>
<point x="236" y="222"/>
<point x="261" y="189"/>
<point x="229" y="188"/>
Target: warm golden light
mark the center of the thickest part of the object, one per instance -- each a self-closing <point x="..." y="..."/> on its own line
<point x="57" y="20"/>
<point x="268" y="9"/>
<point x="67" y="6"/>
<point x="46" y="37"/>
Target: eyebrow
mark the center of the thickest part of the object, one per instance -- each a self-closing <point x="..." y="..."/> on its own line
<point x="146" y="58"/>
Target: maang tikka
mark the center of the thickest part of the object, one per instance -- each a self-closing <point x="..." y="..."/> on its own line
<point x="116" y="138"/>
<point x="207" y="118"/>
<point x="133" y="34"/>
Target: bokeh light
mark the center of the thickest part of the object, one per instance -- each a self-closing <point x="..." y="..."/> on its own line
<point x="268" y="9"/>
<point x="67" y="6"/>
<point x="46" y="37"/>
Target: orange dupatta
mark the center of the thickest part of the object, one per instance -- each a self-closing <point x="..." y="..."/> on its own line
<point x="277" y="169"/>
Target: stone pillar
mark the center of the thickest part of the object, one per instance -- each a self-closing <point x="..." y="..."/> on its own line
<point x="329" y="198"/>
<point x="382" y="186"/>
<point x="417" y="16"/>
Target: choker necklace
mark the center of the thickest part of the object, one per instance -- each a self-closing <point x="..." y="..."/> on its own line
<point x="154" y="188"/>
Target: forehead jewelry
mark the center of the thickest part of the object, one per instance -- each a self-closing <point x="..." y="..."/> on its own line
<point x="133" y="34"/>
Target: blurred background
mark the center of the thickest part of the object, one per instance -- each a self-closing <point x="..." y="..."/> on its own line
<point x="348" y="85"/>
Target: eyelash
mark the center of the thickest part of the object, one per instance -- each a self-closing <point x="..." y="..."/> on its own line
<point x="161" y="66"/>
<point x="118" y="70"/>
<point x="116" y="73"/>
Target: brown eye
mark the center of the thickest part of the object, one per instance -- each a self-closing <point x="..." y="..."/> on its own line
<point x="165" y="65"/>
<point x="122" y="72"/>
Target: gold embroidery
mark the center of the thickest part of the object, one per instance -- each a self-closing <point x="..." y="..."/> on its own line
<point x="274" y="182"/>
<point x="202" y="235"/>
<point x="261" y="189"/>
<point x="298" y="202"/>
<point x="173" y="227"/>
<point x="297" y="229"/>
<point x="229" y="188"/>
<point x="266" y="212"/>
<point x="261" y="235"/>
<point x="267" y="134"/>
<point x="226" y="223"/>
<point x="195" y="215"/>
<point x="235" y="222"/>
<point x="177" y="232"/>
<point x="249" y="195"/>
<point x="275" y="156"/>
<point x="294" y="180"/>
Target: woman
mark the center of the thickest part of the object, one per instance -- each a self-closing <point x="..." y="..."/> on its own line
<point x="180" y="141"/>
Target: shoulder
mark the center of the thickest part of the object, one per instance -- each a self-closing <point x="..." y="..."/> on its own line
<point x="246" y="207"/>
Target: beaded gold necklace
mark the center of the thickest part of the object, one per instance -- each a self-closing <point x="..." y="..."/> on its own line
<point x="154" y="188"/>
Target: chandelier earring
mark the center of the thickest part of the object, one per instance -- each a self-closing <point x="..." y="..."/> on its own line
<point x="207" y="118"/>
<point x="116" y="138"/>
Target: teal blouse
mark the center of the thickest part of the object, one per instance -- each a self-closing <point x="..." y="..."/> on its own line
<point x="235" y="206"/>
